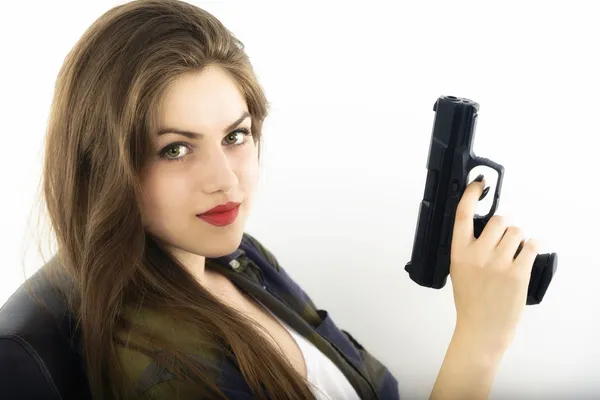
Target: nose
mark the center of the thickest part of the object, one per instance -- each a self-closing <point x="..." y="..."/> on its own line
<point x="219" y="175"/>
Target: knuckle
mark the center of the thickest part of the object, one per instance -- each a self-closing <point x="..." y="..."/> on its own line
<point x="532" y="246"/>
<point x="498" y="220"/>
<point x="461" y="213"/>
<point x="516" y="274"/>
<point x="470" y="256"/>
<point x="500" y="262"/>
<point x="515" y="231"/>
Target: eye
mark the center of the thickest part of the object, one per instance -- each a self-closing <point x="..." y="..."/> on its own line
<point x="237" y="135"/>
<point x="173" y="151"/>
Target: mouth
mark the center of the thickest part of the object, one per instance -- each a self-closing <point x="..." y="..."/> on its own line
<point x="222" y="215"/>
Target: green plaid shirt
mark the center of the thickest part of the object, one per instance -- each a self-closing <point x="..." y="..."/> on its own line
<point x="255" y="271"/>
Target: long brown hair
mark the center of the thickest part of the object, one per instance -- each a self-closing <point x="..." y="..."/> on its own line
<point x="103" y="114"/>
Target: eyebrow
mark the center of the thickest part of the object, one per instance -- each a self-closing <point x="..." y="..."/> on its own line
<point x="197" y="135"/>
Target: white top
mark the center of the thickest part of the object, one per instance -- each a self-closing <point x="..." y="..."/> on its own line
<point x="326" y="379"/>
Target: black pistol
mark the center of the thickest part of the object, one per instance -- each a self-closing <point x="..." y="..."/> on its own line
<point x="449" y="162"/>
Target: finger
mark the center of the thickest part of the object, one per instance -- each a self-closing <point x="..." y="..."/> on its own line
<point x="527" y="256"/>
<point x="463" y="233"/>
<point x="493" y="233"/>
<point x="509" y="244"/>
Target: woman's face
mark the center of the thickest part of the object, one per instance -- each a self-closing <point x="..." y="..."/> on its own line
<point x="188" y="176"/>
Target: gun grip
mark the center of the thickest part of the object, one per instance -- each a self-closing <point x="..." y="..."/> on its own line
<point x="544" y="268"/>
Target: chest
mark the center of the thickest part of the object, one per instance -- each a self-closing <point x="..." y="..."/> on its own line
<point x="274" y="332"/>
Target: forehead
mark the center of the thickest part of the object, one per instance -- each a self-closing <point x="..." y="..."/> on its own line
<point x="206" y="100"/>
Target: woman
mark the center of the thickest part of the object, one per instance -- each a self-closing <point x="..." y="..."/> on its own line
<point x="150" y="168"/>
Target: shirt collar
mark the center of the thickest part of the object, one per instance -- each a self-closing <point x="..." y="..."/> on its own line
<point x="234" y="260"/>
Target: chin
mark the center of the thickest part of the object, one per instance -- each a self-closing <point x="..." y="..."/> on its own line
<point x="222" y="245"/>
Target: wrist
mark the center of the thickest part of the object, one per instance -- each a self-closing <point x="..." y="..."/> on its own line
<point x="488" y="348"/>
<point x="469" y="367"/>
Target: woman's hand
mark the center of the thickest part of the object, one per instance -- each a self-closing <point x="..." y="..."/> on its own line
<point x="489" y="284"/>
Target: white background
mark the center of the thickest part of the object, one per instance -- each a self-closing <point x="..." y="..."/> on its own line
<point x="352" y="89"/>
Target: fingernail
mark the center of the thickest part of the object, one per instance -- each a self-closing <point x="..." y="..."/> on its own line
<point x="479" y="178"/>
<point x="485" y="192"/>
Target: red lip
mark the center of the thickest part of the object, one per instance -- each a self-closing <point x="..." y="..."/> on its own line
<point x="221" y="215"/>
<point x="222" y="208"/>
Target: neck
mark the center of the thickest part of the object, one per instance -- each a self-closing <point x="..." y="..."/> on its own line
<point x="194" y="263"/>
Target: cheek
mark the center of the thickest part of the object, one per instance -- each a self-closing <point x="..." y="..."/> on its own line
<point x="163" y="194"/>
<point x="150" y="202"/>
<point x="250" y="171"/>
